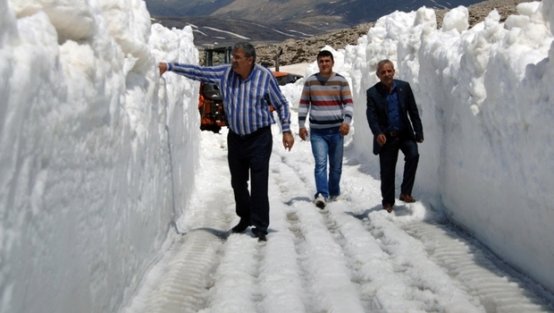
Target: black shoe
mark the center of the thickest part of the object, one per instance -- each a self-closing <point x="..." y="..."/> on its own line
<point x="260" y="234"/>
<point x="240" y="227"/>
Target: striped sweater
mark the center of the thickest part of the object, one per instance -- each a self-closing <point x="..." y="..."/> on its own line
<point x="327" y="102"/>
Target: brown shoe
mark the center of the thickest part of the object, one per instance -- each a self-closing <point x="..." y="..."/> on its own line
<point x="387" y="207"/>
<point x="407" y="198"/>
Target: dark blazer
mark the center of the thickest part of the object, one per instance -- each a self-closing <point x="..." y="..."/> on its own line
<point x="376" y="111"/>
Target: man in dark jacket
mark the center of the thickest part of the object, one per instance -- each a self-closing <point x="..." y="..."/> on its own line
<point x="395" y="123"/>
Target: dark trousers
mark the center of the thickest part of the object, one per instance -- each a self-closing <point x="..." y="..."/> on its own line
<point x="387" y="160"/>
<point x="248" y="157"/>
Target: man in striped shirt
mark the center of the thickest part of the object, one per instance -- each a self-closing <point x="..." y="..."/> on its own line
<point x="247" y="89"/>
<point x="327" y="99"/>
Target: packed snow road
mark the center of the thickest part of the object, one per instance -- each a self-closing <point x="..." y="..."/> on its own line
<point x="351" y="257"/>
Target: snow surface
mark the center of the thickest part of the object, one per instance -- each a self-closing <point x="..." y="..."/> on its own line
<point x="102" y="163"/>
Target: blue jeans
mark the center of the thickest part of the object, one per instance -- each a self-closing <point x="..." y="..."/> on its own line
<point x="327" y="143"/>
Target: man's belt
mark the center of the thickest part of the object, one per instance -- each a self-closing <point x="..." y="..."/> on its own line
<point x="393" y="133"/>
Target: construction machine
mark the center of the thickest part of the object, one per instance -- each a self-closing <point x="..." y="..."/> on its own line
<point x="210" y="102"/>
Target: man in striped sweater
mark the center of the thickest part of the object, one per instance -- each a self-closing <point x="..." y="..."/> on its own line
<point x="327" y="100"/>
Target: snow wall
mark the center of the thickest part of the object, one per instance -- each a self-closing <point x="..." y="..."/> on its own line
<point x="486" y="99"/>
<point x="97" y="154"/>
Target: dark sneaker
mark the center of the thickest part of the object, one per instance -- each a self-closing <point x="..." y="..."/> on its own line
<point x="407" y="198"/>
<point x="260" y="234"/>
<point x="240" y="227"/>
<point x="388" y="207"/>
<point x="319" y="201"/>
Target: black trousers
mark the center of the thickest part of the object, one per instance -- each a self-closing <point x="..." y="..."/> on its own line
<point x="387" y="161"/>
<point x="248" y="157"/>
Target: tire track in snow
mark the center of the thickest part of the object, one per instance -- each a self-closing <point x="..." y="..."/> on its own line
<point x="420" y="280"/>
<point x="186" y="276"/>
<point x="315" y="301"/>
<point x="181" y="279"/>
<point x="366" y="260"/>
<point x="275" y="269"/>
<point x="475" y="274"/>
<point x="278" y="271"/>
<point x="470" y="291"/>
<point x="179" y="282"/>
<point x="385" y="276"/>
<point x="500" y="288"/>
<point x="335" y="281"/>
<point x="355" y="262"/>
<point x="299" y="242"/>
<point x="334" y="286"/>
<point x="391" y="277"/>
<point x="236" y="277"/>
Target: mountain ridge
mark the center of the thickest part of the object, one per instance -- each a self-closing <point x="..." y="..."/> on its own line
<point x="305" y="50"/>
<point x="302" y="43"/>
<point x="214" y="22"/>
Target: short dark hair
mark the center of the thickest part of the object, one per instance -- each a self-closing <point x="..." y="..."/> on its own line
<point x="248" y="48"/>
<point x="325" y="53"/>
<point x="383" y="62"/>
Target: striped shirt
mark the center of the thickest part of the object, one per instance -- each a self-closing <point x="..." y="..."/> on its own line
<point x="245" y="101"/>
<point x="328" y="101"/>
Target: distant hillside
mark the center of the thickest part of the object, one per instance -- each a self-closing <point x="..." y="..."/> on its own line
<point x="218" y="22"/>
<point x="299" y="42"/>
<point x="213" y="31"/>
<point x="304" y="50"/>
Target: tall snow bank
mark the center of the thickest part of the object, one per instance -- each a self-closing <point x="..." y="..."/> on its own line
<point x="485" y="95"/>
<point x="96" y="154"/>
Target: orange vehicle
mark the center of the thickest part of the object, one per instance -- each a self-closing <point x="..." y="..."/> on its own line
<point x="210" y="106"/>
<point x="284" y="78"/>
<point x="210" y="102"/>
